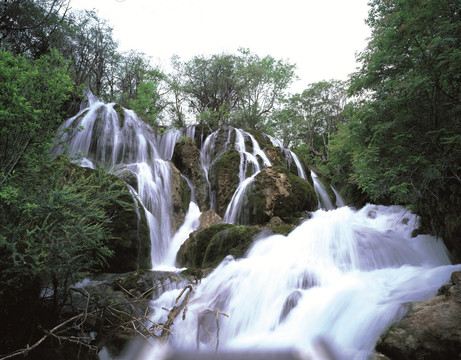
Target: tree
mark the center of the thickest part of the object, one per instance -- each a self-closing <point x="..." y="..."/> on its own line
<point x="31" y="27"/>
<point x="239" y="90"/>
<point x="264" y="81"/>
<point x="212" y="87"/>
<point x="32" y="94"/>
<point x="148" y="102"/>
<point x="410" y="143"/>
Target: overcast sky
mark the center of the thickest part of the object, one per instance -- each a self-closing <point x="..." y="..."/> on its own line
<point x="320" y="36"/>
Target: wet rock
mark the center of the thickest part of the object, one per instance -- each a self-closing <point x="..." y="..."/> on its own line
<point x="208" y="247"/>
<point x="180" y="195"/>
<point x="277" y="192"/>
<point x="224" y="178"/>
<point x="431" y="330"/>
<point x="186" y="157"/>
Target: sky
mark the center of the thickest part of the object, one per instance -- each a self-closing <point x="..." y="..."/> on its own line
<point x="322" y="37"/>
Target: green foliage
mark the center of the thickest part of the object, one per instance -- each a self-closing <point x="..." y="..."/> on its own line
<point x="239" y="90"/>
<point x="31" y="97"/>
<point x="56" y="226"/>
<point x="402" y="145"/>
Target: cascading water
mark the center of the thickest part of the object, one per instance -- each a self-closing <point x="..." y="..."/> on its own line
<point x="115" y="138"/>
<point x="249" y="164"/>
<point x="322" y="194"/>
<point x="341" y="277"/>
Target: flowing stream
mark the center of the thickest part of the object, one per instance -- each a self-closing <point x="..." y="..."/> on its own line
<point x="340" y="278"/>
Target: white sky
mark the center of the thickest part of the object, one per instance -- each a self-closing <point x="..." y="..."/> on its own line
<point x="320" y="36"/>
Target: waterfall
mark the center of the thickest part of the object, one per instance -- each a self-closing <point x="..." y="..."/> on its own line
<point x="237" y="204"/>
<point x="115" y="138"/>
<point x="341" y="278"/>
<point x="322" y="194"/>
<point x="248" y="169"/>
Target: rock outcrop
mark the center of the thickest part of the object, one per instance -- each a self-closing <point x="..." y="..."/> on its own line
<point x="430" y="330"/>
<point x="278" y="192"/>
<point x="186" y="158"/>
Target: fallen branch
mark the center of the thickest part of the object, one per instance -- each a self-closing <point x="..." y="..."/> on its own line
<point x="200" y="323"/>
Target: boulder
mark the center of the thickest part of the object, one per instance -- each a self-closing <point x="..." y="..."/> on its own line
<point x="208" y="218"/>
<point x="430" y="330"/>
<point x="277" y="192"/>
<point x="180" y="196"/>
<point x="208" y="247"/>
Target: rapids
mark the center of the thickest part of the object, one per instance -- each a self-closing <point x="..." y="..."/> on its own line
<point x="341" y="277"/>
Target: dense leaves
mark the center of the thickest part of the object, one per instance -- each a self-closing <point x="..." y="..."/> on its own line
<point x="404" y="143"/>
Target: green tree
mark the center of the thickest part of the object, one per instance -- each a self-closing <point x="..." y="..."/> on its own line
<point x="264" y="82"/>
<point x="410" y="136"/>
<point x="32" y="94"/>
<point x="211" y="87"/>
<point x="31" y="27"/>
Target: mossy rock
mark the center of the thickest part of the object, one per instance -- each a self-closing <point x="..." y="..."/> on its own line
<point x="284" y="229"/>
<point x="199" y="242"/>
<point x="120" y="114"/>
<point x="278" y="192"/>
<point x="275" y="155"/>
<point x="224" y="178"/>
<point x="234" y="241"/>
<point x="260" y="138"/>
<point x="186" y="157"/>
<point x="207" y="248"/>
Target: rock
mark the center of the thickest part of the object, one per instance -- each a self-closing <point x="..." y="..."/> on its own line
<point x="208" y="218"/>
<point x="186" y="157"/>
<point x="224" y="178"/>
<point x="180" y="196"/>
<point x="208" y="247"/>
<point x="277" y="192"/>
<point x="430" y="330"/>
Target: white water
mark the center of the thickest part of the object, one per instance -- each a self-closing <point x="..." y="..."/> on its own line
<point x="129" y="145"/>
<point x="342" y="276"/>
<point x="237" y="203"/>
<point x="322" y="194"/>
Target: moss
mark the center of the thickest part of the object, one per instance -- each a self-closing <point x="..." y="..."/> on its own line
<point x="200" y="241"/>
<point x="185" y="193"/>
<point x="259" y="138"/>
<point x="195" y="272"/>
<point x="234" y="241"/>
<point x="273" y="194"/>
<point x="274" y="153"/>
<point x="224" y="176"/>
<point x="283" y="229"/>
<point x="121" y="114"/>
